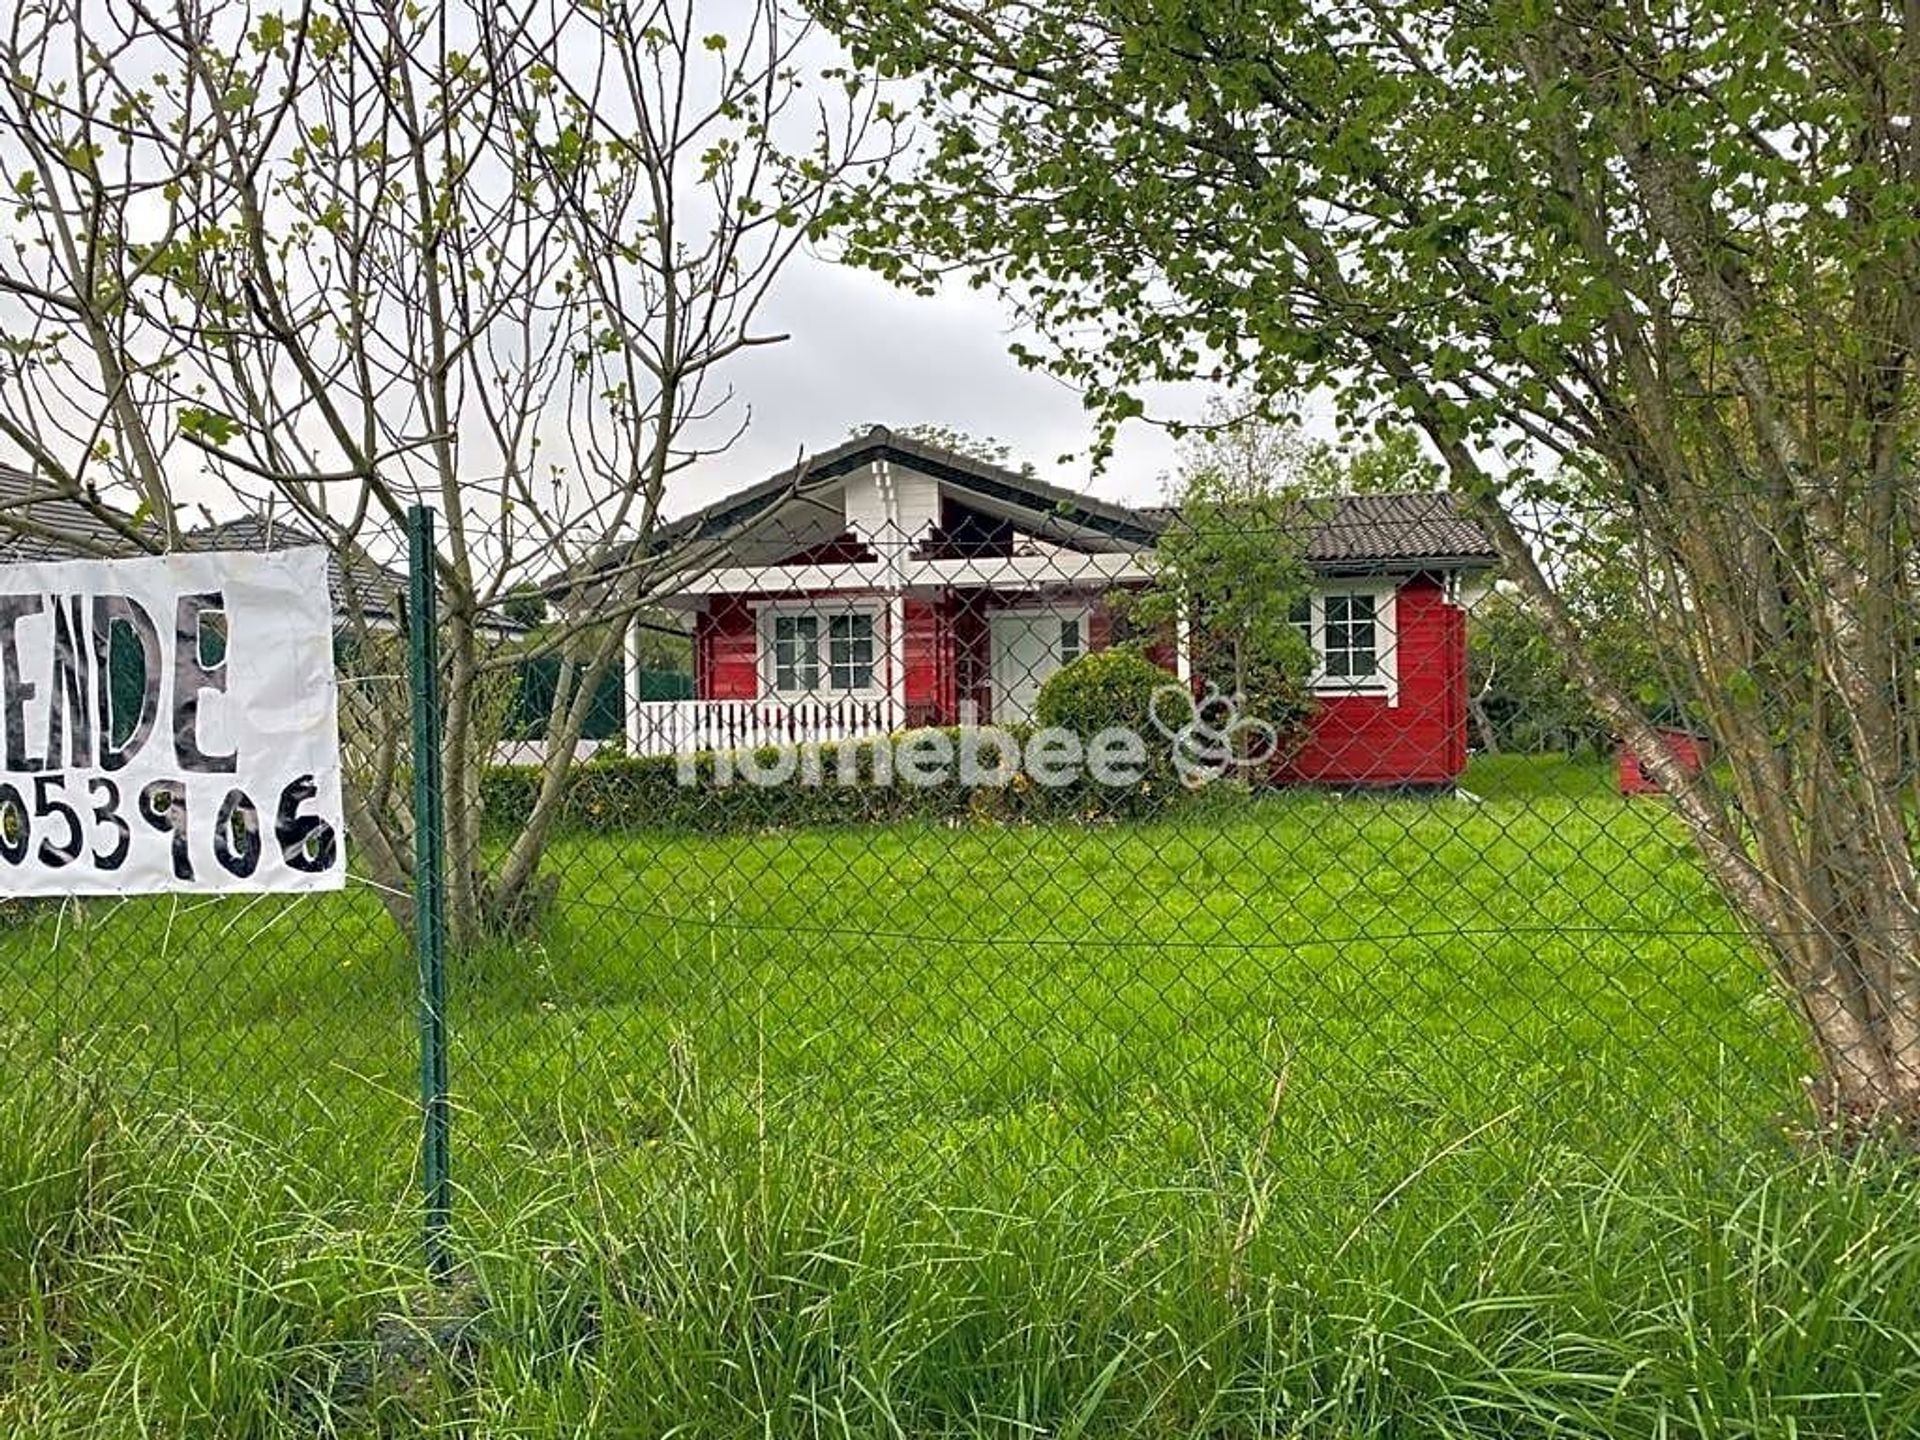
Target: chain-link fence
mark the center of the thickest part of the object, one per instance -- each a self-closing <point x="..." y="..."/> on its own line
<point x="1012" y="852"/>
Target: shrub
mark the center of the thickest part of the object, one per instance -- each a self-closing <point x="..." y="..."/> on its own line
<point x="1101" y="690"/>
<point x="1106" y="690"/>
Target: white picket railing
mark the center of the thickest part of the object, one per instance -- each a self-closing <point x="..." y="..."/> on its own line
<point x="682" y="727"/>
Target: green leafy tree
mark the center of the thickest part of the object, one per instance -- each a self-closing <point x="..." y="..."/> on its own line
<point x="989" y="448"/>
<point x="1524" y="694"/>
<point x="525" y="605"/>
<point x="663" y="642"/>
<point x="1248" y="446"/>
<point x="1392" y="461"/>
<point x="1230" y="573"/>
<point x="1674" y="240"/>
<point x="1251" y="444"/>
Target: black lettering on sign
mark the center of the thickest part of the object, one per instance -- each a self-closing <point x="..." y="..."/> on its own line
<point x="236" y="835"/>
<point x="106" y="811"/>
<point x="13" y="609"/>
<point x="69" y="718"/>
<point x="48" y="805"/>
<point x="163" y="805"/>
<point x="15" y="829"/>
<point x="191" y="675"/>
<point x="121" y="736"/>
<point x="307" y="842"/>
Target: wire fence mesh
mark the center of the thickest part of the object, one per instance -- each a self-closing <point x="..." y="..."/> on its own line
<point x="995" y="862"/>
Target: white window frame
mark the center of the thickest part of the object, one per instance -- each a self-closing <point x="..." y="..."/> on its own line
<point x="1082" y="616"/>
<point x="1385" y="680"/>
<point x="826" y="611"/>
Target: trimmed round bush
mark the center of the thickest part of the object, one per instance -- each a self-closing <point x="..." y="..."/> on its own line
<point x="1105" y="690"/>
<point x="1100" y="690"/>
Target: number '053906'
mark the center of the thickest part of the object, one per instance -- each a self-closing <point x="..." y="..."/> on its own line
<point x="98" y="821"/>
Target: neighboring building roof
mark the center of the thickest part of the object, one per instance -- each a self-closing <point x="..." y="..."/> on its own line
<point x="81" y="530"/>
<point x="28" y="496"/>
<point x="1401" y="529"/>
<point x="378" y="590"/>
<point x="1370" y="532"/>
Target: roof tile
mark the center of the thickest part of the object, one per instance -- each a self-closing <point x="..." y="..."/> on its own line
<point x="30" y="500"/>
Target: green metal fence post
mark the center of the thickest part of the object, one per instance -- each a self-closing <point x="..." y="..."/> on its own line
<point x="429" y="881"/>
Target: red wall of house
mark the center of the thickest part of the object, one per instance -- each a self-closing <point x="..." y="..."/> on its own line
<point x="1361" y="740"/>
<point x="929" y="657"/>
<point x="1353" y="740"/>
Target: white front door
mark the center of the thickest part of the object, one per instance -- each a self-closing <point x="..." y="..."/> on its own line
<point x="1028" y="646"/>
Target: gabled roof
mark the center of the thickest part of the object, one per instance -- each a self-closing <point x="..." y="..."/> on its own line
<point x="1350" y="533"/>
<point x="1358" y="533"/>
<point x="1399" y="529"/>
<point x="83" y="533"/>
<point x="80" y="529"/>
<point x="375" y="592"/>
<point x="1051" y="506"/>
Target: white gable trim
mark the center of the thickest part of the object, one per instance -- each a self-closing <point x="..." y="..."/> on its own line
<point x="890" y="507"/>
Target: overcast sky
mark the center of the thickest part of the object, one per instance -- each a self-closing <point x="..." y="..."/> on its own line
<point x="864" y="353"/>
<point x="860" y="353"/>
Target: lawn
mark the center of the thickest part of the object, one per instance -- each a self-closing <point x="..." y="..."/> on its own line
<point x="958" y="1129"/>
<point x="1547" y="960"/>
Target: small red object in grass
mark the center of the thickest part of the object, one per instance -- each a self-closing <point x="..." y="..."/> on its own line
<point x="1689" y="749"/>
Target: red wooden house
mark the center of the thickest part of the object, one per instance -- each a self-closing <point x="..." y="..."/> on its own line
<point x="891" y="584"/>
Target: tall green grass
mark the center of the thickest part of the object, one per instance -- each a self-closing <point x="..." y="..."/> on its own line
<point x="186" y="1283"/>
<point x="966" y="998"/>
<point x="1293" y="1115"/>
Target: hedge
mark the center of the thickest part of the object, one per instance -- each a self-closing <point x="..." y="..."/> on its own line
<point x="625" y="793"/>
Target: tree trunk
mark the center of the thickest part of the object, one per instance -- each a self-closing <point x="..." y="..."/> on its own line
<point x="1483" y="722"/>
<point x="1825" y="898"/>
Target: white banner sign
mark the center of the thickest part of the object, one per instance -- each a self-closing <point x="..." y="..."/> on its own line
<point x="169" y="723"/>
